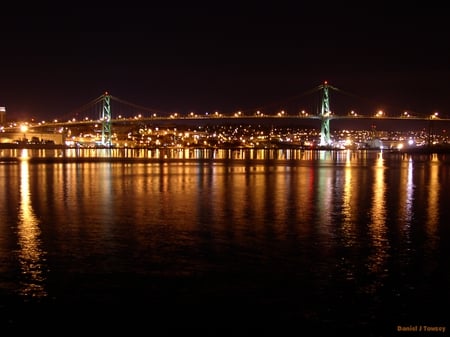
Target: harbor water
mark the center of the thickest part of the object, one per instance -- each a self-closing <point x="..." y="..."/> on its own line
<point x="224" y="243"/>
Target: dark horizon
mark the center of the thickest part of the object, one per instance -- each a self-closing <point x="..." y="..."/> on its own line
<point x="200" y="58"/>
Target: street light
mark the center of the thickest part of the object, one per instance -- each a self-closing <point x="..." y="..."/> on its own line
<point x="24" y="129"/>
<point x="432" y="116"/>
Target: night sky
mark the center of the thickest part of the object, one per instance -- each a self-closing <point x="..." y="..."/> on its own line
<point x="223" y="56"/>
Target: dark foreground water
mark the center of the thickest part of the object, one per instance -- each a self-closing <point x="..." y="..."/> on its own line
<point x="290" y="243"/>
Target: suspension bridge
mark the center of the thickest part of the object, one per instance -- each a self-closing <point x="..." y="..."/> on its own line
<point x="107" y="112"/>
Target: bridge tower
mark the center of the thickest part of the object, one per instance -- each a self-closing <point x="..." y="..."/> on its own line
<point x="325" y="114"/>
<point x="106" y="120"/>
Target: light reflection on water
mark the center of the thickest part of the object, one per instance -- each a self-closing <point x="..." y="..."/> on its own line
<point x="377" y="226"/>
<point x="302" y="232"/>
<point x="433" y="198"/>
<point x="31" y="256"/>
<point x="434" y="195"/>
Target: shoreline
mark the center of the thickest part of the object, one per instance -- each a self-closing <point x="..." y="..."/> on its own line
<point x="209" y="157"/>
<point x="430" y="149"/>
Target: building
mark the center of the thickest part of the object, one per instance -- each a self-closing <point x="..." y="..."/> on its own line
<point x="2" y="115"/>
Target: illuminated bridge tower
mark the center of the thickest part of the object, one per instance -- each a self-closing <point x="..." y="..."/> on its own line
<point x="325" y="114"/>
<point x="106" y="120"/>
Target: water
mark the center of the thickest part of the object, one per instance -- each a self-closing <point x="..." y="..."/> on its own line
<point x="229" y="243"/>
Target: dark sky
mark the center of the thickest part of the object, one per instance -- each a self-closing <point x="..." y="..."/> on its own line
<point x="223" y="56"/>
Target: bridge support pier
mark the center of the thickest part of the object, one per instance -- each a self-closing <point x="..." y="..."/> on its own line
<point x="106" y="120"/>
<point x="325" y="136"/>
